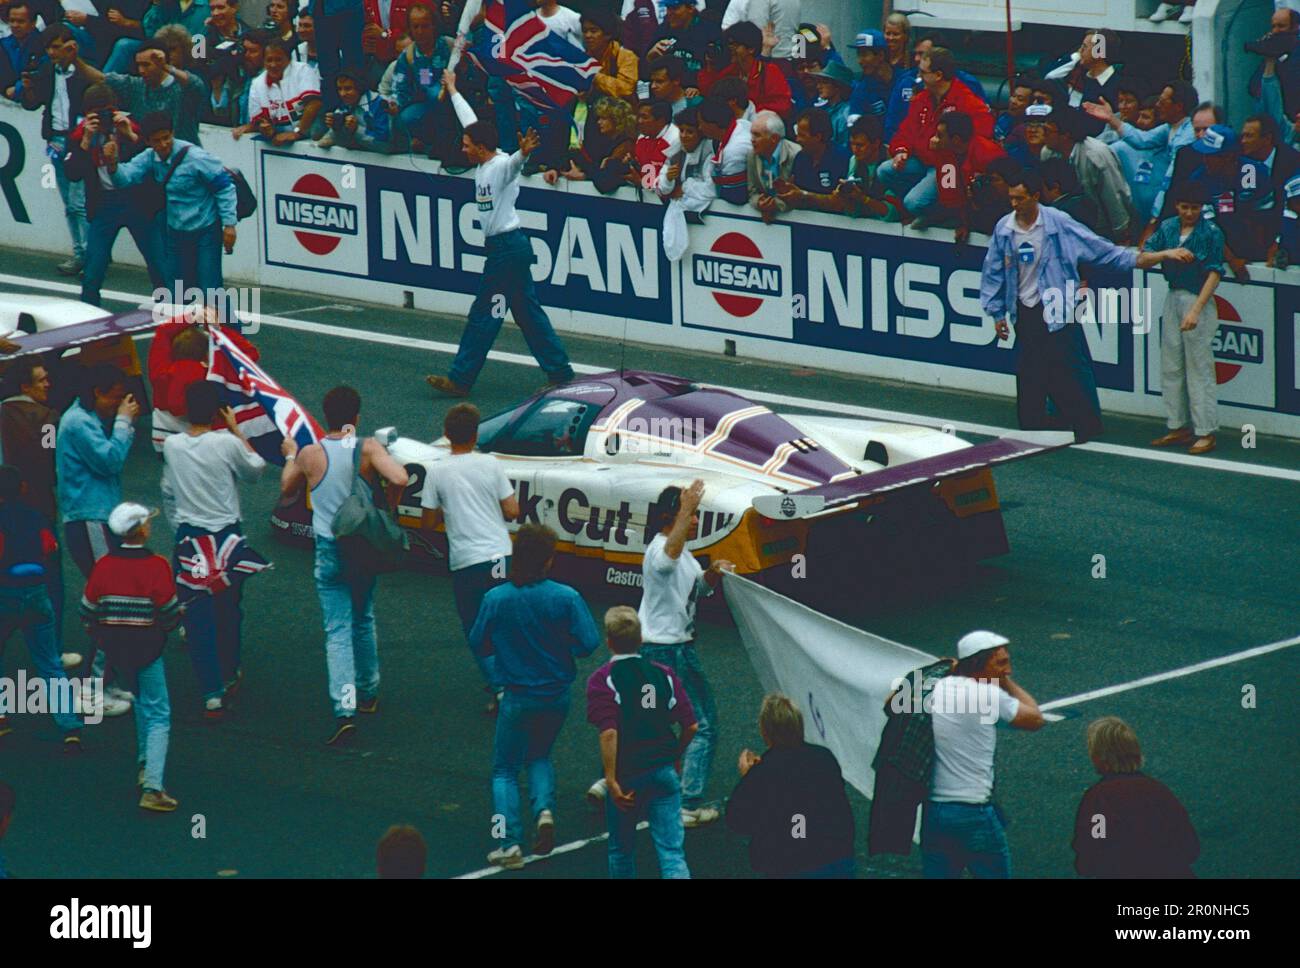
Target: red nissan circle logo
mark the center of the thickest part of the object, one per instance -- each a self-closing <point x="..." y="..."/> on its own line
<point x="733" y="243"/>
<point x="314" y="242"/>
<point x="1223" y="372"/>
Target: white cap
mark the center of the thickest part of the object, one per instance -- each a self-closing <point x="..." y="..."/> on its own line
<point x="128" y="516"/>
<point x="979" y="641"/>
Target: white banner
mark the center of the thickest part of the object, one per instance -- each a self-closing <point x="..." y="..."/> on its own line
<point x="838" y="675"/>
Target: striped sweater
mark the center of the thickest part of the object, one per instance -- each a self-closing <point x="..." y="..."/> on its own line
<point x="130" y="605"/>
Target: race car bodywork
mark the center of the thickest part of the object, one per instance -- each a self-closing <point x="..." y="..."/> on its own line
<point x="589" y="459"/>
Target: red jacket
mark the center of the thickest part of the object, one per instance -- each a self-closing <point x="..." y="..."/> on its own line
<point x="170" y="378"/>
<point x="914" y="134"/>
<point x="953" y="191"/>
<point x="386" y="47"/>
<point x="768" y="90"/>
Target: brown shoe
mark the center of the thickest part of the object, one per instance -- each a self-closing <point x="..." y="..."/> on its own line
<point x="1203" y="445"/>
<point x="157" y="801"/>
<point x="446" y="386"/>
<point x="1180" y="436"/>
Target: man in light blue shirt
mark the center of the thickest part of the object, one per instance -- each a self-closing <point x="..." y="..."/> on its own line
<point x="200" y="203"/>
<point x="1031" y="279"/>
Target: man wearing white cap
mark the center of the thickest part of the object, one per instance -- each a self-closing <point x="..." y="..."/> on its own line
<point x="961" y="827"/>
<point x="128" y="608"/>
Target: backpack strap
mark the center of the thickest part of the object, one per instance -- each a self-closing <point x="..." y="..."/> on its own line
<point x="179" y="157"/>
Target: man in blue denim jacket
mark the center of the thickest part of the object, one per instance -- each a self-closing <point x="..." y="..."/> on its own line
<point x="1031" y="278"/>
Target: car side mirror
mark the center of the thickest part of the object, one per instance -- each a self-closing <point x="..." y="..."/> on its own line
<point x="386" y="435"/>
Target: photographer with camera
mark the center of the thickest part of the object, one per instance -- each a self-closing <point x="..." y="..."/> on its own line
<point x="231" y="69"/>
<point x="284" y="99"/>
<point x="1275" y="85"/>
<point x="108" y="208"/>
<point x="361" y="120"/>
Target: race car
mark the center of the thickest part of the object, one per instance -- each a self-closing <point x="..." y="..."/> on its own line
<point x="786" y="498"/>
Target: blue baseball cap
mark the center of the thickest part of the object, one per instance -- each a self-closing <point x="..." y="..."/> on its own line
<point x="679" y="3"/>
<point x="1217" y="139"/>
<point x="869" y="38"/>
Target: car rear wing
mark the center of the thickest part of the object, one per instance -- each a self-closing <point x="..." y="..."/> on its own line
<point x="827" y="497"/>
<point x="78" y="334"/>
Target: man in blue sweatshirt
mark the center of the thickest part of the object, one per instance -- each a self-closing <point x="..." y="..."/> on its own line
<point x="536" y="627"/>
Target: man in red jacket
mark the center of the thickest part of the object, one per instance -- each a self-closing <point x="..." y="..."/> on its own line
<point x="768" y="88"/>
<point x="909" y="171"/>
<point x="960" y="154"/>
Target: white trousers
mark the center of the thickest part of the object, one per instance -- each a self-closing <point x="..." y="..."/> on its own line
<point x="1187" y="365"/>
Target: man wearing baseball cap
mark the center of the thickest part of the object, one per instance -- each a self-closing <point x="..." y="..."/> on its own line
<point x="870" y="92"/>
<point x="961" y="827"/>
<point x="128" y="608"/>
<point x="834" y="85"/>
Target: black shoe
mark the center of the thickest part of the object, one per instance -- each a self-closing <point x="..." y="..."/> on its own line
<point x="344" y="732"/>
<point x="370" y="705"/>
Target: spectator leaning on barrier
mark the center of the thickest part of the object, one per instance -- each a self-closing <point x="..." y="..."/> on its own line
<point x="128" y="608"/>
<point x="790" y="802"/>
<point x="361" y="121"/>
<point x="1058" y="132"/>
<point x="284" y="99"/>
<point x="1189" y="321"/>
<point x="469" y="494"/>
<point x="199" y="203"/>
<point x="820" y="166"/>
<point x="27" y="552"/>
<point x="961" y="827"/>
<point x="834" y="85"/>
<point x="870" y="92"/>
<point x="685" y="183"/>
<point x="607" y="155"/>
<point x="861" y="194"/>
<point x="535" y="628"/>
<point x="507" y="280"/>
<point x="909" y="173"/>
<point x="1129" y="824"/>
<point x="989" y="198"/>
<point x="733" y="91"/>
<point x="1266" y="165"/>
<point x="733" y="144"/>
<point x="770" y="164"/>
<point x="1031" y="279"/>
<point x="657" y="140"/>
<point x="202" y="470"/>
<point x="1062" y="191"/>
<point x="634" y="703"/>
<point x="22" y="45"/>
<point x="960" y="156"/>
<point x="57" y="85"/>
<point x="108" y="208"/>
<point x="1142" y="167"/>
<point x="346" y="590"/>
<point x="230" y="76"/>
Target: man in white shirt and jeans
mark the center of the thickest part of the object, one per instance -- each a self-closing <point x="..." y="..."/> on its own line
<point x="961" y="827"/>
<point x="469" y="492"/>
<point x="202" y="470"/>
<point x="672" y="581"/>
<point x="507" y="280"/>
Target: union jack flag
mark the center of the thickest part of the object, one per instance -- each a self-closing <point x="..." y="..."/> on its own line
<point x="210" y="564"/>
<point x="518" y="45"/>
<point x="266" y="411"/>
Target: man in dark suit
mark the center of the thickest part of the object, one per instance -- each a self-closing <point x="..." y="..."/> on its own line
<point x="58" y="85"/>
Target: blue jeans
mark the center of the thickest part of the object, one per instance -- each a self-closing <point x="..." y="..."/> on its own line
<point x="73" y="194"/>
<point x="153" y="722"/>
<point x="338" y="44"/>
<point x="526" y="730"/>
<point x="659" y="796"/>
<point x="698" y="758"/>
<point x="29" y="610"/>
<point x="914" y="183"/>
<point x="194" y="258"/>
<point x="347" y="603"/>
<point x="956" y="836"/>
<point x="508" y="273"/>
<point x="212" y="624"/>
<point x="416" y="121"/>
<point x="114" y="213"/>
<point x="121" y="59"/>
<point x="468" y="586"/>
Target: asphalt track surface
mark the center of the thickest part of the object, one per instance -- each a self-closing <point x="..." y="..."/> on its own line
<point x="1201" y="563"/>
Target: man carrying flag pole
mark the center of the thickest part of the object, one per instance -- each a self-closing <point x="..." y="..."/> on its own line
<point x="507" y="277"/>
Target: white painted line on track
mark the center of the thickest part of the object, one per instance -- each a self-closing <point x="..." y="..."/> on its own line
<point x="534" y="858"/>
<point x="758" y="396"/>
<point x="1222" y="660"/>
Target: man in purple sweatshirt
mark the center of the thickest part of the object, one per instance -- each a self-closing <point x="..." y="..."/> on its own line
<point x="635" y="703"/>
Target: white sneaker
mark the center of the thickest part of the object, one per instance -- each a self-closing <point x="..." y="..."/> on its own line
<point x="1163" y="12"/>
<point x="597" y="792"/>
<point x="117" y="692"/>
<point x="699" y="816"/>
<point x="103" y="705"/>
<point x="71" y="660"/>
<point x="545" y="833"/>
<point x="511" y="859"/>
<point x="1189" y="12"/>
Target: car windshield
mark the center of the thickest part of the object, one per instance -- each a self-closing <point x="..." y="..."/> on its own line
<point x="552" y="428"/>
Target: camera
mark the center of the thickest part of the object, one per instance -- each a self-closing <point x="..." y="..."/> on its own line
<point x="1272" y="45"/>
<point x="339" y="115"/>
<point x="105" y="122"/>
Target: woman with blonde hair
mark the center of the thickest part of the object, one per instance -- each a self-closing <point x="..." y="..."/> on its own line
<point x="1129" y="824"/>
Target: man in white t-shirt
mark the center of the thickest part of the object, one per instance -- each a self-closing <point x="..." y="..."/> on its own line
<point x="961" y="827"/>
<point x="284" y="99"/>
<point x="672" y="582"/>
<point x="470" y="494"/>
<point x="202" y="470"/>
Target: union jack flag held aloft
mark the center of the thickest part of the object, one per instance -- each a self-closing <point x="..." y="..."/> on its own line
<point x="518" y="45"/>
<point x="266" y="411"/>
